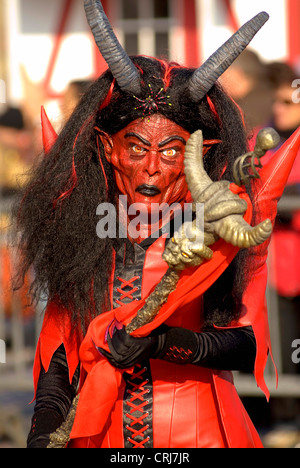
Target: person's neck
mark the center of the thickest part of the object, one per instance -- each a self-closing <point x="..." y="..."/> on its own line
<point x="147" y="224"/>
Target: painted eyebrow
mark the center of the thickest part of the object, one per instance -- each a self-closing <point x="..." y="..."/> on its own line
<point x="132" y="134"/>
<point x="170" y="139"/>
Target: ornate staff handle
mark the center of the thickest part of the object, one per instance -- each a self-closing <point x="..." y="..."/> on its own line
<point x="266" y="139"/>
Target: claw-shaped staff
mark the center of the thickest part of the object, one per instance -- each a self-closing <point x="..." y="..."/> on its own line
<point x="223" y="218"/>
<point x="266" y="139"/>
<point x="224" y="210"/>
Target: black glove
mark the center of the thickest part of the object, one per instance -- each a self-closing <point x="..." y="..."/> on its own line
<point x="179" y="345"/>
<point x="126" y="351"/>
<point x="232" y="349"/>
<point x="43" y="424"/>
<point x="54" y="397"/>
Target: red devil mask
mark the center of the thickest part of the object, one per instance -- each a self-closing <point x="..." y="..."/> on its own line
<point x="147" y="157"/>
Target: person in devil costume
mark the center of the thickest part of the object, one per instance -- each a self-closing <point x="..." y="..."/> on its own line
<point x="167" y="384"/>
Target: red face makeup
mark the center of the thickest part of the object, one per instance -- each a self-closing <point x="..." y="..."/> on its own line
<point x="147" y="157"/>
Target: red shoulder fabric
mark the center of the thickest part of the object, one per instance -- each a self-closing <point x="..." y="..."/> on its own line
<point x="57" y="329"/>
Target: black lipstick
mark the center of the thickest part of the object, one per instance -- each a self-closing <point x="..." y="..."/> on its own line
<point x="148" y="190"/>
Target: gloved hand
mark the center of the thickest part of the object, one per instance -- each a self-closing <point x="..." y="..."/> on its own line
<point x="172" y="344"/>
<point x="126" y="351"/>
<point x="232" y="349"/>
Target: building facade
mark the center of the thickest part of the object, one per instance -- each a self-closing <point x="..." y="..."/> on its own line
<point x="50" y="42"/>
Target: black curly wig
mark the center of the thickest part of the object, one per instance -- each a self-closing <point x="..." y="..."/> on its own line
<point x="56" y="216"/>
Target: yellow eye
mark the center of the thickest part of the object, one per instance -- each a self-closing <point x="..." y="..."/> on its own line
<point x="185" y="255"/>
<point x="137" y="149"/>
<point x="169" y="152"/>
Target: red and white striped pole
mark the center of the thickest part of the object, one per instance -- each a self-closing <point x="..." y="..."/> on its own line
<point x="62" y="24"/>
<point x="293" y="31"/>
<point x="192" y="46"/>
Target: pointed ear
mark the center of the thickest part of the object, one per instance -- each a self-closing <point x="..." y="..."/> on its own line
<point x="107" y="143"/>
<point x="48" y="132"/>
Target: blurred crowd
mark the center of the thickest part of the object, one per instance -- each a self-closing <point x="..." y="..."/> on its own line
<point x="20" y="146"/>
<point x="268" y="95"/>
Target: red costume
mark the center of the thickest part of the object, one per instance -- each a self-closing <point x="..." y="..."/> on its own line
<point x="226" y="422"/>
<point x="173" y="398"/>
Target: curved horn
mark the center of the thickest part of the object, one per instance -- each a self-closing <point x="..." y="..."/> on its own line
<point x="206" y="76"/>
<point x="238" y="232"/>
<point x="121" y="66"/>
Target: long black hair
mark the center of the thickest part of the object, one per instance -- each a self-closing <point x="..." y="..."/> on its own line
<point x="56" y="216"/>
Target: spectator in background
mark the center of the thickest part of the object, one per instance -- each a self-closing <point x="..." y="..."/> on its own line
<point x="286" y="109"/>
<point x="15" y="148"/>
<point x="284" y="268"/>
<point x="246" y="82"/>
<point x="16" y="144"/>
<point x="75" y="90"/>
